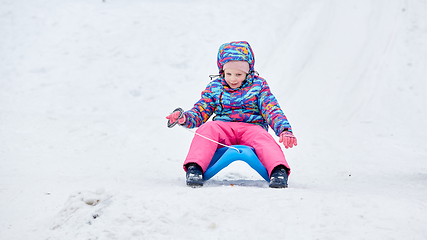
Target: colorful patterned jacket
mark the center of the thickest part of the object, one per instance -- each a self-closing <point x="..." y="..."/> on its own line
<point x="253" y="102"/>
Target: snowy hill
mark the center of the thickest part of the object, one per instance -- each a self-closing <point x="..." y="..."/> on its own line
<point x="85" y="87"/>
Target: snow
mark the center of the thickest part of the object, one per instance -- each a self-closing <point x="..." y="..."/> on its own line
<point x="85" y="86"/>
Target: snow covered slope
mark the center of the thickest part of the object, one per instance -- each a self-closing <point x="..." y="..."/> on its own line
<point x="85" y="86"/>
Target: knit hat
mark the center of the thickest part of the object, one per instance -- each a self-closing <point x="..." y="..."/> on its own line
<point x="239" y="65"/>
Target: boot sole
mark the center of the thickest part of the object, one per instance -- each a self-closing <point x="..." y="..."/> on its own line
<point x="194" y="184"/>
<point x="278" y="186"/>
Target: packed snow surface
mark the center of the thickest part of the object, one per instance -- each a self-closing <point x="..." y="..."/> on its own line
<point x="85" y="86"/>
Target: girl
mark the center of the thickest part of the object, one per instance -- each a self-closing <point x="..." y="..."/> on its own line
<point x="244" y="107"/>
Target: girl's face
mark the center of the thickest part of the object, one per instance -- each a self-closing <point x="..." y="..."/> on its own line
<point x="234" y="77"/>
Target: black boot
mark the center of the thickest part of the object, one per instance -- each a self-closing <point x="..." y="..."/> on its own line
<point x="194" y="175"/>
<point x="279" y="177"/>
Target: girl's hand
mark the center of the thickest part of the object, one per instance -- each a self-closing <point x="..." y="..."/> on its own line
<point x="288" y="139"/>
<point x="173" y="117"/>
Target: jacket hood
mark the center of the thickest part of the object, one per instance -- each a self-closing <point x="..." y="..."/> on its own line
<point x="235" y="51"/>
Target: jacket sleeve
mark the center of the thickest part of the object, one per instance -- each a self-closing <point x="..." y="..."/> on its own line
<point x="202" y="110"/>
<point x="271" y="111"/>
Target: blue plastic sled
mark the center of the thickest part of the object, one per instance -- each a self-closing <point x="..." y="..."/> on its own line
<point x="224" y="156"/>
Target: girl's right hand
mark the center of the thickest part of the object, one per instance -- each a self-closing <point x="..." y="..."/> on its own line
<point x="173" y="117"/>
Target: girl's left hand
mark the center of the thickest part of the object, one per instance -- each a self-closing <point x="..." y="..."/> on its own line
<point x="288" y="139"/>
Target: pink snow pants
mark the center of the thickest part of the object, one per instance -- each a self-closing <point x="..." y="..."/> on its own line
<point x="235" y="133"/>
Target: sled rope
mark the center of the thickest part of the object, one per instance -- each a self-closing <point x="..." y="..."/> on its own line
<point x="198" y="134"/>
<point x="181" y="112"/>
